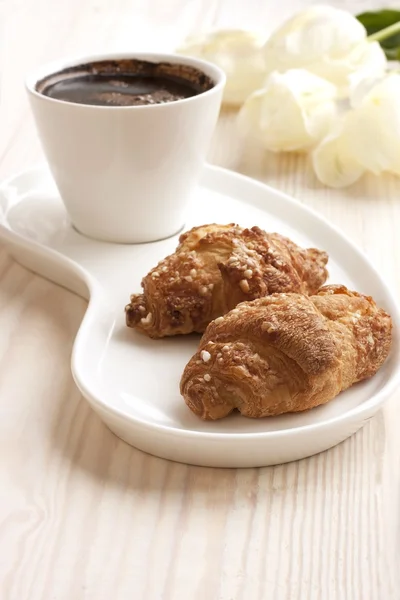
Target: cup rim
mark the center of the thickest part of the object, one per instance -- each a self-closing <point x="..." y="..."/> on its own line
<point x="44" y="70"/>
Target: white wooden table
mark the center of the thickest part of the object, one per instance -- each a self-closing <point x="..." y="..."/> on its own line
<point x="85" y="516"/>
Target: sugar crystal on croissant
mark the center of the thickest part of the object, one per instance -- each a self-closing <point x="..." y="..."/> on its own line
<point x="214" y="268"/>
<point x="286" y="353"/>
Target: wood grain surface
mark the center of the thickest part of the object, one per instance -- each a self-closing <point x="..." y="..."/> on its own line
<point x="83" y="516"/>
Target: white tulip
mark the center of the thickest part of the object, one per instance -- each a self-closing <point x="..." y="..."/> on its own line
<point x="368" y="138"/>
<point x="238" y="53"/>
<point x="292" y="112"/>
<point x="328" y="42"/>
<point x="373" y="126"/>
<point x="333" y="162"/>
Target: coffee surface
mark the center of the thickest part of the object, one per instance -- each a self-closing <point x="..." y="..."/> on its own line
<point x="117" y="90"/>
<point x="125" y="83"/>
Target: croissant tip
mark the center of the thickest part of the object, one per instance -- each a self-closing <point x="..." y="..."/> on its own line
<point x="136" y="311"/>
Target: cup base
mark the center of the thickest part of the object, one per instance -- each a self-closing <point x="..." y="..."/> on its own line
<point x="125" y="241"/>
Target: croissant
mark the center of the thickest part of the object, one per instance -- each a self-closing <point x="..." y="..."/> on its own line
<point x="214" y="268"/>
<point x="286" y="353"/>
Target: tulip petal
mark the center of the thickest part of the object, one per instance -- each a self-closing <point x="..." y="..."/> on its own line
<point x="365" y="60"/>
<point x="373" y="127"/>
<point x="333" y="163"/>
<point x="292" y="112"/>
<point x="238" y="53"/>
<point x="313" y="32"/>
<point x="328" y="42"/>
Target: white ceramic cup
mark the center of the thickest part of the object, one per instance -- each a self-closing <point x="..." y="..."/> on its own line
<point x="126" y="173"/>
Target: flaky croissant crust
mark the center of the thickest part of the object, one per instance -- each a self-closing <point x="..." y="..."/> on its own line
<point x="214" y="268"/>
<point x="286" y="353"/>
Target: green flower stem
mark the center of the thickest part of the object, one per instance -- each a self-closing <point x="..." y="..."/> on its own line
<point x="383" y="34"/>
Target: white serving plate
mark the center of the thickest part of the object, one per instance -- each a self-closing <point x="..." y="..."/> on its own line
<point x="133" y="382"/>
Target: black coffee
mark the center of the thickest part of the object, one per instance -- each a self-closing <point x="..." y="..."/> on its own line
<point x="125" y="83"/>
